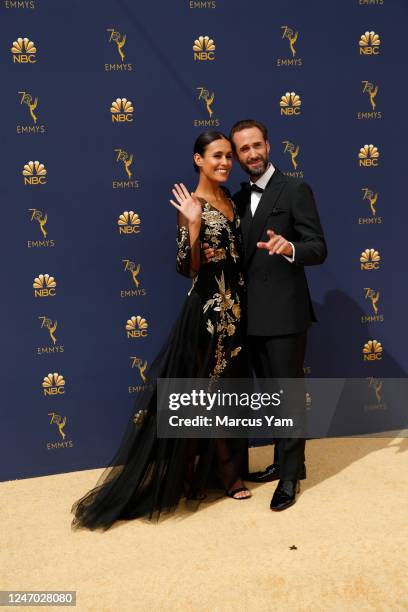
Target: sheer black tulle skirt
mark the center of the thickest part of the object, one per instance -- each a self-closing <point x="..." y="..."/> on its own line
<point x="149" y="475"/>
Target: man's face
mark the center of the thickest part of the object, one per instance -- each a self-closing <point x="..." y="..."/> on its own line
<point x="252" y="151"/>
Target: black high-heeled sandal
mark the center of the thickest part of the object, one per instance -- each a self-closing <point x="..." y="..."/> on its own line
<point x="232" y="492"/>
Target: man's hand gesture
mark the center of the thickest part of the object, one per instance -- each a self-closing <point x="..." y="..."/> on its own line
<point x="276" y="244"/>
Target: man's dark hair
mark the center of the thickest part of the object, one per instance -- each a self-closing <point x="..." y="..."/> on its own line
<point x="245" y="124"/>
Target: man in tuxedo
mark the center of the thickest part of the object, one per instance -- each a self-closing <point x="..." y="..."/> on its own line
<point x="282" y="234"/>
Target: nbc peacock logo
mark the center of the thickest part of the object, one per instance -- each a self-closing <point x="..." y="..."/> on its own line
<point x="290" y="104"/>
<point x="44" y="286"/>
<point x="369" y="43"/>
<point x="34" y="173"/>
<point x="370" y="260"/>
<point x="53" y="384"/>
<point x="372" y="351"/>
<point x="204" y="49"/>
<point x="121" y="110"/>
<point x="368" y="156"/>
<point x="129" y="222"/>
<point x="23" y="51"/>
<point x="136" y="327"/>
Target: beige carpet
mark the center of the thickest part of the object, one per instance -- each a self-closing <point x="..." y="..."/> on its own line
<point x="349" y="526"/>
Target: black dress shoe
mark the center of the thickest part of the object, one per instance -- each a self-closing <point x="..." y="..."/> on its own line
<point x="285" y="494"/>
<point x="270" y="473"/>
<point x="267" y="475"/>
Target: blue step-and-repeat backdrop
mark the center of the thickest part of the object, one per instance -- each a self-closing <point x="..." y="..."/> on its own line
<point x="101" y="102"/>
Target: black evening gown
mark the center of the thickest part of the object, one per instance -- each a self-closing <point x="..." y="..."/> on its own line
<point x="149" y="475"/>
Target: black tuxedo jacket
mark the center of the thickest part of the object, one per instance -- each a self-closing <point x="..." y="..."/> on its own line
<point x="278" y="295"/>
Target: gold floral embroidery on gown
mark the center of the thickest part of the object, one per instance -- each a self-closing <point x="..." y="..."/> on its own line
<point x="220" y="285"/>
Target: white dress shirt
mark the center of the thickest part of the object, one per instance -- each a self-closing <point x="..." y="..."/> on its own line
<point x="256" y="196"/>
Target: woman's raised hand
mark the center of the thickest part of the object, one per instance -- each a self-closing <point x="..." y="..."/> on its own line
<point x="188" y="204"/>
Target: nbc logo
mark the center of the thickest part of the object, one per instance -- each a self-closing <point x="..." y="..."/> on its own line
<point x="290" y="104"/>
<point x="204" y="48"/>
<point x="23" y="51"/>
<point x="369" y="43"/>
<point x="372" y="351"/>
<point x="121" y="110"/>
<point x="368" y="156"/>
<point x="136" y="327"/>
<point x="129" y="223"/>
<point x="370" y="260"/>
<point x="53" y="384"/>
<point x="44" y="286"/>
<point x="34" y="173"/>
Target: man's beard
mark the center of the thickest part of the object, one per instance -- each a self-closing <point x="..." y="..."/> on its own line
<point x="256" y="171"/>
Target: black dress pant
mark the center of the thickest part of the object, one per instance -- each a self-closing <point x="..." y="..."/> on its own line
<point x="282" y="357"/>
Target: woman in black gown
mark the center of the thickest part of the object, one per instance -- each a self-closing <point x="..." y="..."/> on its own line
<point x="149" y="475"/>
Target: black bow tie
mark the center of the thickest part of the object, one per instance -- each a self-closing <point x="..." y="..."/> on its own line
<point x="254" y="187"/>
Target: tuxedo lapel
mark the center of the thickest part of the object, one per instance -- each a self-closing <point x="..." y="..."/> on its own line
<point x="266" y="205"/>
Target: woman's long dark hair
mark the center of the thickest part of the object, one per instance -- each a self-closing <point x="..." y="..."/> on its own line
<point x="202" y="142"/>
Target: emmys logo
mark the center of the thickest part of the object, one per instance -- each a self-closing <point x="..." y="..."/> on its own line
<point x="134" y="271"/>
<point x="41" y="218"/>
<point x="370" y="260"/>
<point x="141" y="366"/>
<point x="204" y="48"/>
<point x="291" y="36"/>
<point x="27" y="100"/>
<point x="203" y="4"/>
<point x="34" y="173"/>
<point x="59" y="422"/>
<point x="290" y="104"/>
<point x="51" y="327"/>
<point x="136" y="327"/>
<point x="121" y="110"/>
<point x="369" y="43"/>
<point x="368" y="156"/>
<point x="53" y="384"/>
<point x="44" y="286"/>
<point x="375" y="384"/>
<point x="373" y="297"/>
<point x="372" y="351"/>
<point x="19" y="4"/>
<point x="371" y="90"/>
<point x="207" y="99"/>
<point x="129" y="223"/>
<point x="119" y="40"/>
<point x="370" y="197"/>
<point x="23" y="51"/>
<point x="126" y="159"/>
<point x="293" y="151"/>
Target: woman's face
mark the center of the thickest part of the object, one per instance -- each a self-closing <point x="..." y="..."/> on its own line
<point x="216" y="163"/>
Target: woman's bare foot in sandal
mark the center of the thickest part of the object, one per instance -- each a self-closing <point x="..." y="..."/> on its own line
<point x="239" y="491"/>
